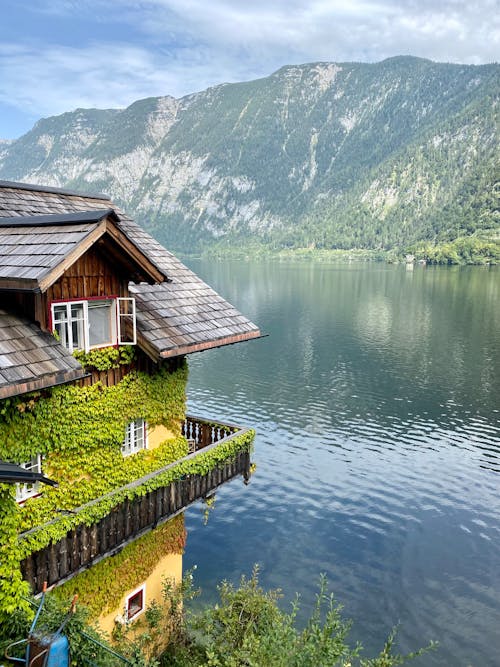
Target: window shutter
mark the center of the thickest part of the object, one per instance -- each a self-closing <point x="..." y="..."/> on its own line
<point x="127" y="330"/>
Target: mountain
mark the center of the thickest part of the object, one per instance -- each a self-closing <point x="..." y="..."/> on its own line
<point x="319" y="155"/>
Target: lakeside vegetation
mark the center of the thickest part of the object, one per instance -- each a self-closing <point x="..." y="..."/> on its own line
<point x="471" y="250"/>
<point x="245" y="627"/>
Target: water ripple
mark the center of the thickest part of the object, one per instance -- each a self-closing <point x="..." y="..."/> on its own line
<point x="376" y="406"/>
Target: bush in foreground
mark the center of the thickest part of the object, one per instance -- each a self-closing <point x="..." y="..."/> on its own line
<point x="246" y="628"/>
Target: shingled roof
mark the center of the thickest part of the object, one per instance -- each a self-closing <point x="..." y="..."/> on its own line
<point x="35" y="250"/>
<point x="175" y="317"/>
<point x="31" y="359"/>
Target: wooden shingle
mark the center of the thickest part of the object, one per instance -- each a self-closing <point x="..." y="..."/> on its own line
<point x="31" y="358"/>
<point x="177" y="316"/>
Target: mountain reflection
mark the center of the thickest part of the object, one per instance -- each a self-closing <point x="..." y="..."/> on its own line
<point x="348" y="340"/>
<point x="375" y="400"/>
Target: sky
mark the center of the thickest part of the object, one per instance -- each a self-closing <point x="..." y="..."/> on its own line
<point x="59" y="55"/>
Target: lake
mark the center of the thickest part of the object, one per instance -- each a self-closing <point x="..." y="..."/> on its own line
<point x="376" y="400"/>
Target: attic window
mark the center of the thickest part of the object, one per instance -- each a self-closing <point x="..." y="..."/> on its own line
<point x="83" y="325"/>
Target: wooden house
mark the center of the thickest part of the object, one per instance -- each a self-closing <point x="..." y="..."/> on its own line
<point x="96" y="320"/>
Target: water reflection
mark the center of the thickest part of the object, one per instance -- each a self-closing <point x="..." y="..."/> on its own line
<point x="376" y="400"/>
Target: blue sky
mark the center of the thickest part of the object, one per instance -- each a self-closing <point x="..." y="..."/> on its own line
<point x="58" y="55"/>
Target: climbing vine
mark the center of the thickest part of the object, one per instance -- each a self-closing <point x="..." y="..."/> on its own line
<point x="102" y="587"/>
<point x="104" y="358"/>
<point x="12" y="587"/>
<point x="79" y="431"/>
<point x="201" y="464"/>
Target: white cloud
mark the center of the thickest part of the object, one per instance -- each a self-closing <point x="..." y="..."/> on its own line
<point x="160" y="47"/>
<point x="333" y="29"/>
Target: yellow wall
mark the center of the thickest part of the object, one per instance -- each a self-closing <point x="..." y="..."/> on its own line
<point x="157" y="435"/>
<point x="169" y="566"/>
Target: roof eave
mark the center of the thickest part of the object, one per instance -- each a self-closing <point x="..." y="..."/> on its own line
<point x="210" y="344"/>
<point x="44" y="382"/>
<point x="11" y="473"/>
<point x="19" y="285"/>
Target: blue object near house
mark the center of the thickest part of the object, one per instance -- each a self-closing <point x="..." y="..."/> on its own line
<point x="44" y="650"/>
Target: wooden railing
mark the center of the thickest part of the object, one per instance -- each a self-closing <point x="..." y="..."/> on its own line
<point x="201" y="432"/>
<point x="85" y="545"/>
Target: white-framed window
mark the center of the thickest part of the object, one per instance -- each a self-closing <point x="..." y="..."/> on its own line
<point x="83" y="325"/>
<point x="126" y="321"/>
<point x="30" y="489"/>
<point x="136" y="437"/>
<point x="135" y="603"/>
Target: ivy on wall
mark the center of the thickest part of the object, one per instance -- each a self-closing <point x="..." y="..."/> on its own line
<point x="12" y="588"/>
<point x="201" y="464"/>
<point x="79" y="432"/>
<point x="102" y="587"/>
<point x="104" y="358"/>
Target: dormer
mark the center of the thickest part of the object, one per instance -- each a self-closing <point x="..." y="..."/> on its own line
<point x="70" y="273"/>
<point x="71" y="263"/>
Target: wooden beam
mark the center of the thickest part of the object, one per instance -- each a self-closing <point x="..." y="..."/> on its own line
<point x="19" y="284"/>
<point x="133" y="251"/>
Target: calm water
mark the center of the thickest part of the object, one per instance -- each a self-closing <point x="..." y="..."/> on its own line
<point x="376" y="399"/>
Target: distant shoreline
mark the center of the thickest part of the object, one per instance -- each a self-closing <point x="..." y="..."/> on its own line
<point x="464" y="251"/>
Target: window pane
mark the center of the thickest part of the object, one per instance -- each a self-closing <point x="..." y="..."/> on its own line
<point x="139" y="434"/>
<point x="134" y="439"/>
<point x="77" y="311"/>
<point x="60" y="324"/>
<point x="77" y="333"/>
<point x="126" y="321"/>
<point x="61" y="329"/>
<point x="69" y="322"/>
<point x="135" y="604"/>
<point x="25" y="491"/>
<point x="100" y="323"/>
<point x="60" y="313"/>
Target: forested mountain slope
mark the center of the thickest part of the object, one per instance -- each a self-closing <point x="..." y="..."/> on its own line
<point x="318" y="155"/>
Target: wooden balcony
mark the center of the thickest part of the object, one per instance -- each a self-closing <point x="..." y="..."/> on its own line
<point x="85" y="545"/>
<point x="201" y="433"/>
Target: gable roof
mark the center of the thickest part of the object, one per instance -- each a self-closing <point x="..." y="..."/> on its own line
<point x="175" y="317"/>
<point x="36" y="250"/>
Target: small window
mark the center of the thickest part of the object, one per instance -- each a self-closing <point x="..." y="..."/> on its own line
<point x="25" y="491"/>
<point x="135" y="437"/>
<point x="135" y="603"/>
<point x="101" y="323"/>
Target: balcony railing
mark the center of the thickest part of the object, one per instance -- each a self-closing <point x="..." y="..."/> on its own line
<point x="201" y="433"/>
<point x="130" y="518"/>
